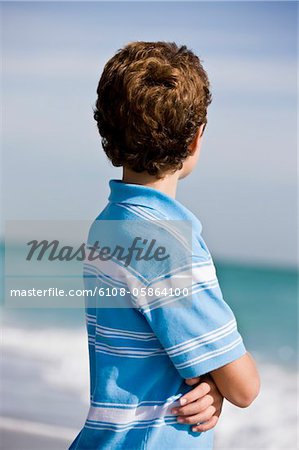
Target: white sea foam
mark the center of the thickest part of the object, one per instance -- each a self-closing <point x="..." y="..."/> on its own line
<point x="57" y="359"/>
<point x="61" y="356"/>
<point x="270" y="422"/>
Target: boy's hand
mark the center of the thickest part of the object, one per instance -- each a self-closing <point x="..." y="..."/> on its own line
<point x="201" y="404"/>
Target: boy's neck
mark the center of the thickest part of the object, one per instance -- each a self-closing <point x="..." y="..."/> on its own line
<point x="167" y="185"/>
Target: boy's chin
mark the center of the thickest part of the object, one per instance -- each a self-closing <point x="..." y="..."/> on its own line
<point x="184" y="173"/>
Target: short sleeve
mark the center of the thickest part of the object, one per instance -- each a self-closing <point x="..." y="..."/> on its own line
<point x="186" y="311"/>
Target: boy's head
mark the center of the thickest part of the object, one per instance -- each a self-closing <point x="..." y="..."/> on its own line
<point x="152" y="106"/>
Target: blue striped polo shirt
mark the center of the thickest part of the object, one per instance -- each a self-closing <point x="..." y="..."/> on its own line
<point x="166" y="321"/>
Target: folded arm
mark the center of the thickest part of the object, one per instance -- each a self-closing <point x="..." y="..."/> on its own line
<point x="238" y="381"/>
<point x="202" y="404"/>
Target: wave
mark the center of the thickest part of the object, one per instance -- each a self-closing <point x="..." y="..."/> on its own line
<point x="55" y="360"/>
<point x="61" y="356"/>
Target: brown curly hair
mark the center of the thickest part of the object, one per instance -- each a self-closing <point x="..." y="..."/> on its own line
<point x="152" y="98"/>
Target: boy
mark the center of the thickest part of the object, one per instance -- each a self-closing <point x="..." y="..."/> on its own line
<point x="167" y="320"/>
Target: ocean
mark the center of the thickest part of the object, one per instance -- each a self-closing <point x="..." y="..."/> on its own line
<point x="45" y="386"/>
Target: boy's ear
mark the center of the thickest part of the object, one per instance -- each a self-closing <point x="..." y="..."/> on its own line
<point x="194" y="144"/>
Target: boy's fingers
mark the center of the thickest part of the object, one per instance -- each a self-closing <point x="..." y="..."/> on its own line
<point x="208" y="425"/>
<point x="202" y="417"/>
<point x="192" y="381"/>
<point x="199" y="391"/>
<point x="196" y="407"/>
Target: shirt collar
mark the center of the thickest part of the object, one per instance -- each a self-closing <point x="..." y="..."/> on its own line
<point x="136" y="194"/>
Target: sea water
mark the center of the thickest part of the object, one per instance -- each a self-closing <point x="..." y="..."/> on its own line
<point x="45" y="361"/>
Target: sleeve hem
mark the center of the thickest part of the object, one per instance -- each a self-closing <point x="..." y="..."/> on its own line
<point x="202" y="368"/>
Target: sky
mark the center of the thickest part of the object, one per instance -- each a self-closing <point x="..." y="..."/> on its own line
<point x="244" y="188"/>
